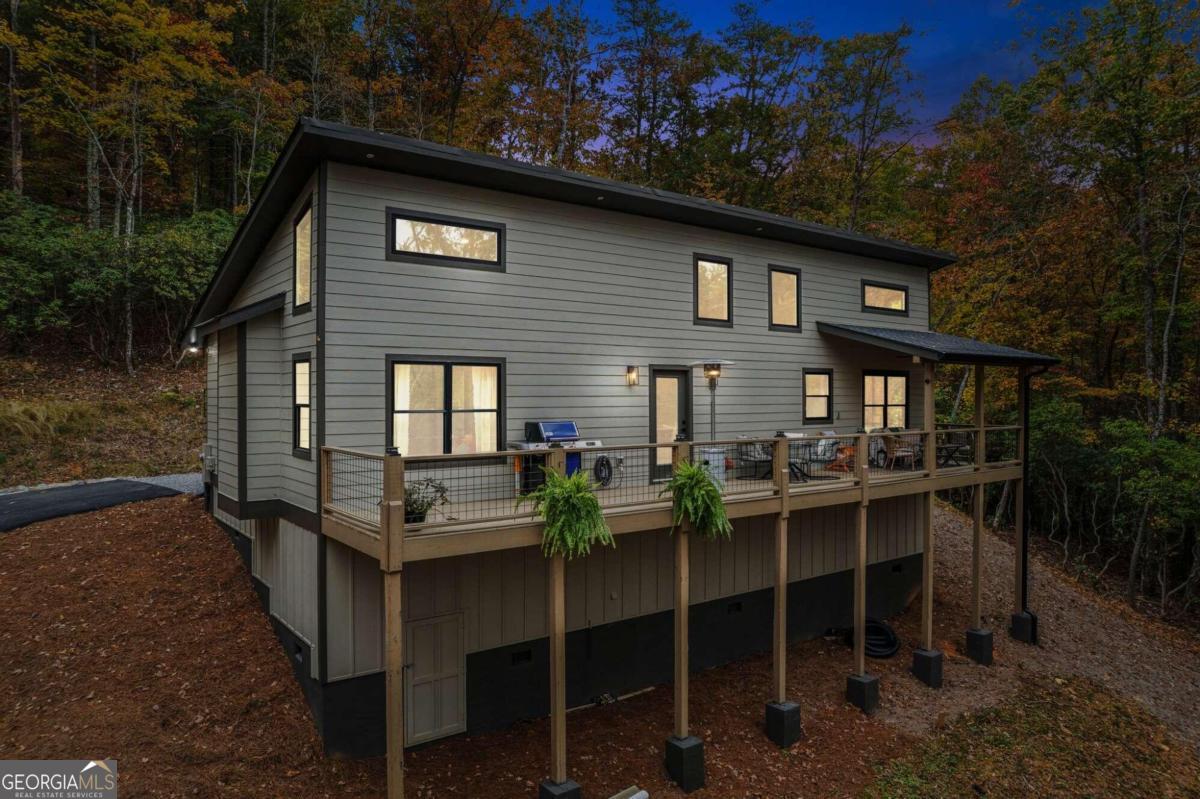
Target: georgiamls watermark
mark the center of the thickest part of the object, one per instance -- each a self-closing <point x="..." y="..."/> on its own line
<point x="58" y="779"/>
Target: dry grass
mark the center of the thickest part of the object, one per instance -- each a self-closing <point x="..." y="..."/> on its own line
<point x="1056" y="738"/>
<point x="62" y="421"/>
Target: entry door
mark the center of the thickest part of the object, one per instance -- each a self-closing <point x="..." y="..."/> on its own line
<point x="435" y="686"/>
<point x="670" y="414"/>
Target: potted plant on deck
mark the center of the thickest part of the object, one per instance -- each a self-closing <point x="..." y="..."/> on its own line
<point x="421" y="496"/>
<point x="572" y="514"/>
<point x="697" y="497"/>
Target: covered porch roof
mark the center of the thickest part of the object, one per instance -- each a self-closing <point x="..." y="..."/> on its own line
<point x="937" y="347"/>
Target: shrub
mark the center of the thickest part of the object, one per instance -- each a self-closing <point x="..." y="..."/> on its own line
<point x="574" y="519"/>
<point x="698" y="498"/>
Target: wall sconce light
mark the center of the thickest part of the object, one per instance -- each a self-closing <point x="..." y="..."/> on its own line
<point x="631" y="375"/>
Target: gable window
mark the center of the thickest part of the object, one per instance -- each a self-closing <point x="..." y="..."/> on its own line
<point x="431" y="239"/>
<point x="713" y="296"/>
<point x="301" y="406"/>
<point x="441" y="407"/>
<point x="302" y="255"/>
<point x="783" y="292"/>
<point x="884" y="298"/>
<point x="885" y="400"/>
<point x="818" y="395"/>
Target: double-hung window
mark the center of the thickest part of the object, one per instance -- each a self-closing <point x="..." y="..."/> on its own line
<point x="439" y="407"/>
<point x="712" y="280"/>
<point x="301" y="406"/>
<point x="302" y="260"/>
<point x="818" y="395"/>
<point x="885" y="400"/>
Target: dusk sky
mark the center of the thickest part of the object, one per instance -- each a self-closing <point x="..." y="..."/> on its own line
<point x="956" y="41"/>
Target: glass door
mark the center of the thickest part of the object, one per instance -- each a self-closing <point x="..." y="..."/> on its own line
<point x="670" y="415"/>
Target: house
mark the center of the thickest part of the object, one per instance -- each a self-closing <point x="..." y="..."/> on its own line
<point x="394" y="317"/>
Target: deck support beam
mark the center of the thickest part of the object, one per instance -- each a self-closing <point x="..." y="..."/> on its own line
<point x="391" y="518"/>
<point x="979" y="639"/>
<point x="862" y="689"/>
<point x="684" y="752"/>
<point x="782" y="716"/>
<point x="558" y="785"/>
<point x="927" y="661"/>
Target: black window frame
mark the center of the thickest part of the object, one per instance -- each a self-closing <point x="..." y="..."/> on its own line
<point x="308" y="207"/>
<point x="879" y="284"/>
<point x="392" y="254"/>
<point x="804" y="396"/>
<point x="886" y="373"/>
<point x="697" y="319"/>
<point x="305" y="453"/>
<point x="447" y="364"/>
<point x="771" y="323"/>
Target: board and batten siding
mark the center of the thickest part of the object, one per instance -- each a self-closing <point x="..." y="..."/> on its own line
<point x="586" y="293"/>
<point x="502" y="595"/>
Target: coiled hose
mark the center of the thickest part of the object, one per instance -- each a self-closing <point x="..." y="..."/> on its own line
<point x="881" y="640"/>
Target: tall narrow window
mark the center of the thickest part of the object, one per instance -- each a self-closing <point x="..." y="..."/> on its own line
<point x="302" y="254"/>
<point x="784" y="298"/>
<point x="885" y="400"/>
<point x="884" y="298"/>
<point x="435" y="239"/>
<point x="818" y="395"/>
<point x="445" y="407"/>
<point x="301" y="406"/>
<point x="713" y="300"/>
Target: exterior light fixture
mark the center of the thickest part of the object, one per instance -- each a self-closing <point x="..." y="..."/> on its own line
<point x="712" y="370"/>
<point x="631" y="375"/>
<point x="711" y="367"/>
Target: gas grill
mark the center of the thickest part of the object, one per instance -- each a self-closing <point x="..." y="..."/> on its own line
<point x="543" y="435"/>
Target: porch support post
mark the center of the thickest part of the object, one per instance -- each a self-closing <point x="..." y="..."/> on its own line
<point x="979" y="640"/>
<point x="1024" y="621"/>
<point x="392" y="561"/>
<point x="927" y="661"/>
<point x="684" y="752"/>
<point x="558" y="785"/>
<point x="783" y="717"/>
<point x="862" y="689"/>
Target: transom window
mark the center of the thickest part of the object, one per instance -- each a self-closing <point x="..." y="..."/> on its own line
<point x="301" y="405"/>
<point x="885" y="400"/>
<point x="884" y="298"/>
<point x="713" y="304"/>
<point x="439" y="408"/>
<point x="818" y="395"/>
<point x="436" y="239"/>
<point x="784" y="290"/>
<point x="302" y="255"/>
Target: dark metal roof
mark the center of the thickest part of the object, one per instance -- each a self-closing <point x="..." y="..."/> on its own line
<point x="939" y="347"/>
<point x="312" y="142"/>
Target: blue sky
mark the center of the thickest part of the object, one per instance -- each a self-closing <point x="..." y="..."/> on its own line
<point x="956" y="41"/>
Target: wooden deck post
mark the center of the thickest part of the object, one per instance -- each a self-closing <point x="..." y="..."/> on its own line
<point x="862" y="689"/>
<point x="1024" y="621"/>
<point x="927" y="661"/>
<point x="558" y="670"/>
<point x="979" y="639"/>
<point x="782" y="716"/>
<point x="391" y="527"/>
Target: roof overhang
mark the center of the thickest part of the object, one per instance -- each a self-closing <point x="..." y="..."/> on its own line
<point x="312" y="142"/>
<point x="243" y="314"/>
<point x="936" y="347"/>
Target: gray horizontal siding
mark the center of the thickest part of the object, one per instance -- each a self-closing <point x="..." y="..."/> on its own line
<point x="227" y="411"/>
<point x="264" y="408"/>
<point x="585" y="294"/>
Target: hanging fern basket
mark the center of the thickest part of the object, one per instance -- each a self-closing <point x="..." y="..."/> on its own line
<point x="573" y="518"/>
<point x="697" y="499"/>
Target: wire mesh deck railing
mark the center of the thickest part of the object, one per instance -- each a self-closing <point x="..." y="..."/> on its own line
<point x="822" y="458"/>
<point x="353" y="484"/>
<point x="955" y="446"/>
<point x="446" y="489"/>
<point x="1002" y="443"/>
<point x="737" y="465"/>
<point x="892" y="454"/>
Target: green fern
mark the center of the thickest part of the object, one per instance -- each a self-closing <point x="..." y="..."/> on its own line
<point x="698" y="499"/>
<point x="574" y="520"/>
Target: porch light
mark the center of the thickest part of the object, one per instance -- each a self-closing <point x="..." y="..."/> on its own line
<point x="631" y="375"/>
<point x="712" y="370"/>
<point x="711" y="367"/>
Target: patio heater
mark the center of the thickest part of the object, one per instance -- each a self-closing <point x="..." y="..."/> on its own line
<point x="712" y="371"/>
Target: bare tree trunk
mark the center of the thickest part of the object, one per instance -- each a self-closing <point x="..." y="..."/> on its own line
<point x="998" y="516"/>
<point x="16" y="147"/>
<point x="93" y="154"/>
<point x="1135" y="558"/>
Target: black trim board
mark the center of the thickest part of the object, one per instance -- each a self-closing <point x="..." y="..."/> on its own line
<point x="322" y="541"/>
<point x="243" y="314"/>
<point x="509" y="683"/>
<point x="312" y="142"/>
<point x="270" y="509"/>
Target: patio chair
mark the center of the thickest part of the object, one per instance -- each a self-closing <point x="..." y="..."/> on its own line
<point x="897" y="449"/>
<point x="843" y="459"/>
<point x="754" y="460"/>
